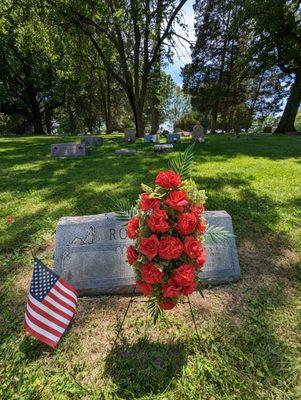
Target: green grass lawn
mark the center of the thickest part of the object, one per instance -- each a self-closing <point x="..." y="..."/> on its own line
<point x="250" y="330"/>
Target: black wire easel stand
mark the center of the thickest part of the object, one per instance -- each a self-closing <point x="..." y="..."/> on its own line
<point x="133" y="300"/>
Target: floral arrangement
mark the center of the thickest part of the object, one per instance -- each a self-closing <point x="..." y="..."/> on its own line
<point x="169" y="232"/>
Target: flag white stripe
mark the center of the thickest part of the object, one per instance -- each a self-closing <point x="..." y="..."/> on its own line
<point x="61" y="286"/>
<point x="41" y="331"/>
<point x="59" y="306"/>
<point x="48" y="310"/>
<point x="44" y="320"/>
<point x="63" y="298"/>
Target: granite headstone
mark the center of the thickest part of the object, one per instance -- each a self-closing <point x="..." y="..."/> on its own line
<point x="151" y="139"/>
<point x="198" y="133"/>
<point x="68" y="150"/>
<point x="173" y="137"/>
<point x="130" y="135"/>
<point x="125" y="152"/>
<point x="92" y="140"/>
<point x="91" y="254"/>
<point x="163" y="148"/>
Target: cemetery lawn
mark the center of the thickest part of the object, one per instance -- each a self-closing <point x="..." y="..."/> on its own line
<point x="250" y="330"/>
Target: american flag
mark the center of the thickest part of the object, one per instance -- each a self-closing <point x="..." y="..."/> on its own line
<point x="51" y="305"/>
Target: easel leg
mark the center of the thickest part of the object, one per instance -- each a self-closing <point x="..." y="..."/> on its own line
<point x="124" y="317"/>
<point x="193" y="319"/>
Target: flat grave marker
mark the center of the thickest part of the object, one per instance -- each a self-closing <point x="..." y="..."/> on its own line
<point x="92" y="140"/>
<point x="68" y="150"/>
<point x="163" y="148"/>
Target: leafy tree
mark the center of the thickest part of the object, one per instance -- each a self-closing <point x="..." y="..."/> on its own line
<point x="276" y="30"/>
<point x="34" y="72"/>
<point x="125" y="36"/>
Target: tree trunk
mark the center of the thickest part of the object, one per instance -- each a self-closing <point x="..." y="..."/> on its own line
<point x="139" y="119"/>
<point x="109" y="112"/>
<point x="38" y="125"/>
<point x="287" y="121"/>
<point x="48" y="122"/>
<point x="213" y="121"/>
<point x="36" y="114"/>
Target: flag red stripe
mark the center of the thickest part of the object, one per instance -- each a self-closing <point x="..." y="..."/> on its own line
<point x="46" y="315"/>
<point x="58" y="289"/>
<point x="61" y="302"/>
<point x="68" y="286"/>
<point x="42" y="325"/>
<point x="57" y="310"/>
<point x="38" y="336"/>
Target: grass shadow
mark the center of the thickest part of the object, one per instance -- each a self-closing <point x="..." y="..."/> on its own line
<point x="145" y="367"/>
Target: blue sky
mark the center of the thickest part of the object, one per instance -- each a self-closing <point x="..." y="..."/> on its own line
<point x="183" y="56"/>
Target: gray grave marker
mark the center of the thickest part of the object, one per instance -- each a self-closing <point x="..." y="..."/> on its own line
<point x="173" y="137"/>
<point x="92" y="140"/>
<point x="125" y="152"/>
<point x="151" y="139"/>
<point x="68" y="150"/>
<point x="129" y="135"/>
<point x="163" y="148"/>
<point x="91" y="254"/>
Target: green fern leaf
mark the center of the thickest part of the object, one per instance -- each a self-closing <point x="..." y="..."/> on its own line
<point x="154" y="309"/>
<point x="123" y="208"/>
<point x="216" y="234"/>
<point x="182" y="164"/>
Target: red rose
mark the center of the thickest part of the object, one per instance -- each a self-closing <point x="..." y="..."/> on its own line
<point x="193" y="247"/>
<point x="149" y="246"/>
<point x="132" y="228"/>
<point x="157" y="223"/>
<point x="168" y="179"/>
<point x="200" y="261"/>
<point x="170" y="247"/>
<point x="132" y="255"/>
<point x="183" y="275"/>
<point x="189" y="289"/>
<point x="187" y="223"/>
<point x="198" y="209"/>
<point x="145" y="288"/>
<point x="177" y="200"/>
<point x="151" y="274"/>
<point x="169" y="289"/>
<point x="148" y="203"/>
<point x="167" y="305"/>
<point x="201" y="226"/>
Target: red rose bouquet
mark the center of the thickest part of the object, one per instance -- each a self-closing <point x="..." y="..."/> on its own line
<point x="168" y="228"/>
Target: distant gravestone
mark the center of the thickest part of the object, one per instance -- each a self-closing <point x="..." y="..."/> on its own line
<point x="173" y="137"/>
<point x="177" y="130"/>
<point x="90" y="254"/>
<point x="92" y="140"/>
<point x="198" y="133"/>
<point x="125" y="152"/>
<point x="163" y="148"/>
<point x="68" y="150"/>
<point x="151" y="139"/>
<point x="130" y="135"/>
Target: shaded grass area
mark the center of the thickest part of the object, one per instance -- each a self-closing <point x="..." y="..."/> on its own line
<point x="250" y="330"/>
